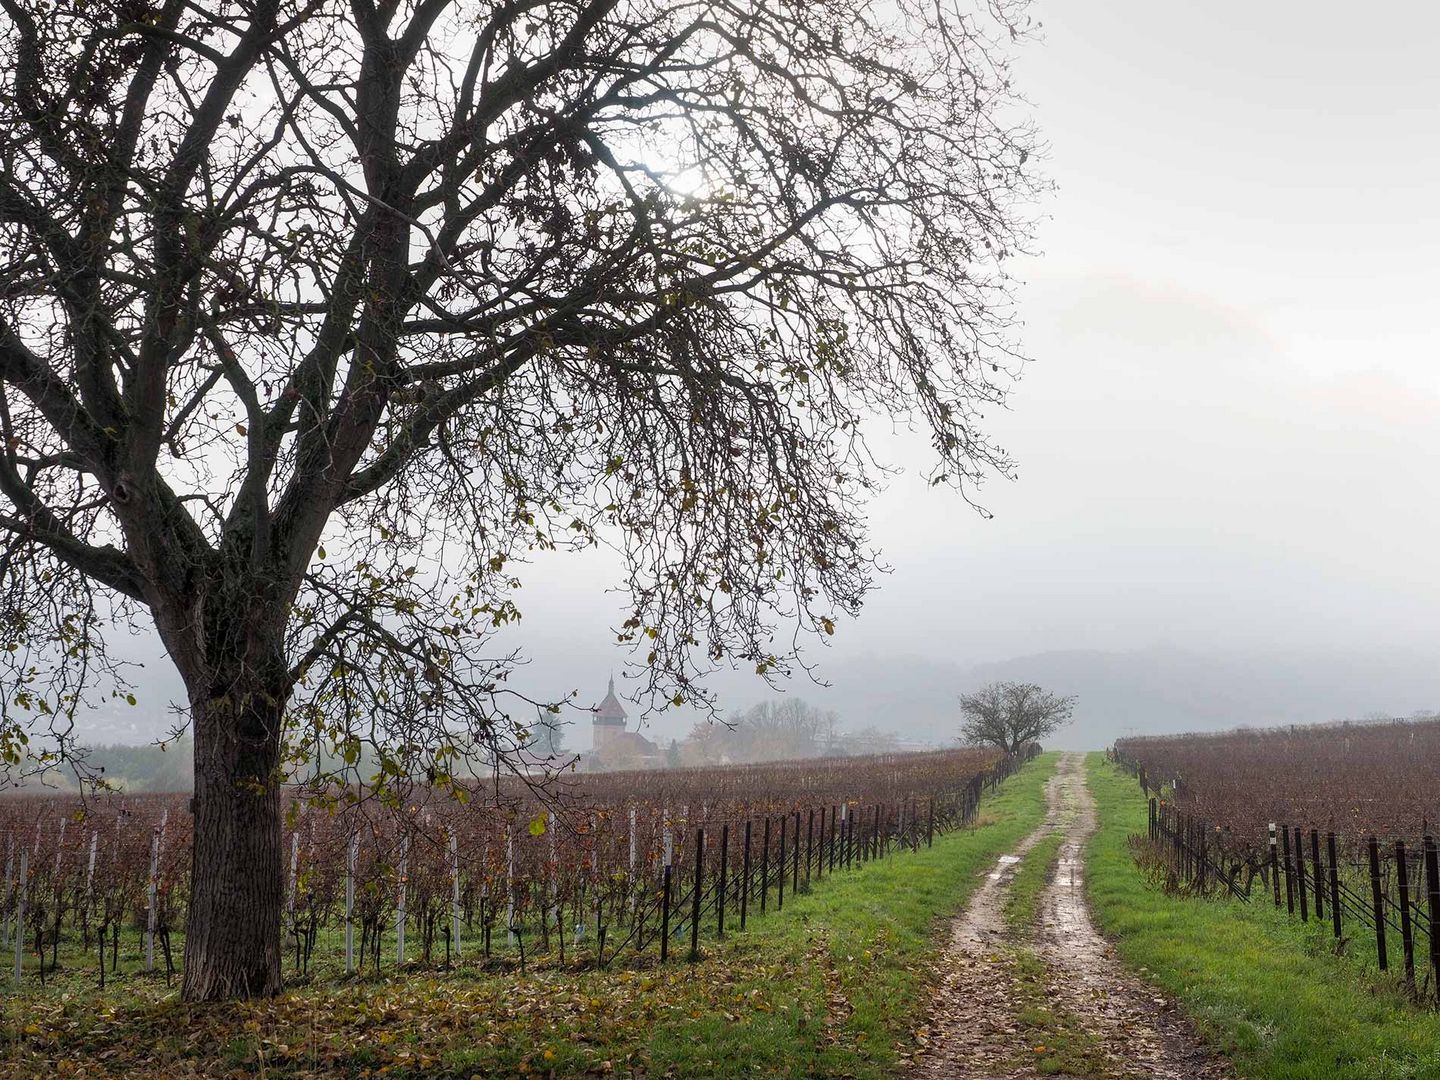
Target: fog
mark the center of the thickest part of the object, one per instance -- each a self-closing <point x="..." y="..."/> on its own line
<point x="1226" y="439"/>
<point x="1226" y="508"/>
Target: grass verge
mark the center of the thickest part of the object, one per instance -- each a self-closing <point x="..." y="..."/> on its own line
<point x="1059" y="1043"/>
<point x="1274" y="998"/>
<point x="832" y="986"/>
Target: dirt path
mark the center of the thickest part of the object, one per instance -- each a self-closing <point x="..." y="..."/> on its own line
<point x="1053" y="993"/>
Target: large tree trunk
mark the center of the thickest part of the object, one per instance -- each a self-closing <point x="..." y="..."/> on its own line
<point x="232" y="940"/>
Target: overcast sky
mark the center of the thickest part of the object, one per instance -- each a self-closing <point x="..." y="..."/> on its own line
<point x="1228" y="435"/>
<point x="1227" y="439"/>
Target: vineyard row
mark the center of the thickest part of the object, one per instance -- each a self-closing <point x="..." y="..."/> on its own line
<point x="587" y="884"/>
<point x="1387" y="891"/>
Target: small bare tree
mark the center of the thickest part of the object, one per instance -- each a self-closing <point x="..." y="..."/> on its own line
<point x="1009" y="715"/>
<point x="316" y="316"/>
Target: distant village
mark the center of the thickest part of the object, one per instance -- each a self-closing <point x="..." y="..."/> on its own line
<point x="786" y="729"/>
<point x="782" y="730"/>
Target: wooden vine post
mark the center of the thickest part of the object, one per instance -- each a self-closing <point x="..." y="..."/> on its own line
<point x="1377" y="900"/>
<point x="745" y="876"/>
<point x="20" y="885"/>
<point x="352" y="855"/>
<point x="401" y="881"/>
<point x="695" y="894"/>
<point x="1407" y="936"/>
<point x="1432" y="890"/>
<point x="720" y="881"/>
<point x="510" y="886"/>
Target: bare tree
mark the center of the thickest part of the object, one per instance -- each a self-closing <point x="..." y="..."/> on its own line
<point x="316" y="316"/>
<point x="1008" y="715"/>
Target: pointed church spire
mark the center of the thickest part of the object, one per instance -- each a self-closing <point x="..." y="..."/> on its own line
<point x="610" y="711"/>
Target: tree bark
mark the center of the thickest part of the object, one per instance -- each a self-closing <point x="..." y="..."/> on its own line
<point x="232" y="940"/>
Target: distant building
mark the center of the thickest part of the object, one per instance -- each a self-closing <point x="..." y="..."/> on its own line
<point x="608" y="719"/>
<point x="612" y="747"/>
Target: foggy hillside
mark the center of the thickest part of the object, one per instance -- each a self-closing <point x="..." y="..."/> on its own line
<point x="1158" y="689"/>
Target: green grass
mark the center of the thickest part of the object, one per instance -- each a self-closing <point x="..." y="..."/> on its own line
<point x="1059" y="1043"/>
<point x="833" y="986"/>
<point x="1270" y="994"/>
<point x="1037" y="869"/>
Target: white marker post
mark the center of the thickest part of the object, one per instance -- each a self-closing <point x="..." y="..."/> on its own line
<point x="151" y="893"/>
<point x="634" y="851"/>
<point x="294" y="876"/>
<point x="59" y="847"/>
<point x="595" y="877"/>
<point x="90" y="868"/>
<point x="1275" y="866"/>
<point x="510" y="886"/>
<point x="554" y="872"/>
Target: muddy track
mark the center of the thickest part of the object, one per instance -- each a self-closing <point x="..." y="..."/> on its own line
<point x="993" y="979"/>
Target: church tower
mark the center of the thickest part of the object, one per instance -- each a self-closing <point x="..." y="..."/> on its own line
<point x="609" y="718"/>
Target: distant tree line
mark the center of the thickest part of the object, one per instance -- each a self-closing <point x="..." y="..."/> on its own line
<point x="783" y="730"/>
<point x="150" y="767"/>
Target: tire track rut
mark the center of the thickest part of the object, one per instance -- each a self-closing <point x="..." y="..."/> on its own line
<point x="983" y="1023"/>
